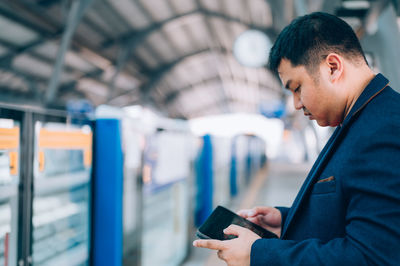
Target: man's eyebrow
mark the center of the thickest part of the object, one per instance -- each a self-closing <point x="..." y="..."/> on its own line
<point x="287" y="86"/>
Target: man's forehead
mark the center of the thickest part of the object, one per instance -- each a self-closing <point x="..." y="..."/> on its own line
<point x="284" y="69"/>
<point x="285" y="82"/>
<point x="289" y="73"/>
<point x="285" y="78"/>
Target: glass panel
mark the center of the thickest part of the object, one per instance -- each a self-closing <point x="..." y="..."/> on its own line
<point x="61" y="203"/>
<point x="165" y="199"/>
<point x="132" y="140"/>
<point x="9" y="179"/>
<point x="165" y="225"/>
<point x="221" y="165"/>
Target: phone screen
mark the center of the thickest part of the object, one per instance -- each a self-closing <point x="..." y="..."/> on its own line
<point x="221" y="218"/>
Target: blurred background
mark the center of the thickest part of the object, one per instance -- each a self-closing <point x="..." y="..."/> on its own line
<point x="123" y="123"/>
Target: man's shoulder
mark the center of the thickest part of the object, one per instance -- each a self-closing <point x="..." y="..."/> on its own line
<point x="389" y="94"/>
<point x="383" y="108"/>
<point x="380" y="117"/>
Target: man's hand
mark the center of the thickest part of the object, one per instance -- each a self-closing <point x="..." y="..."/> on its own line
<point x="235" y="252"/>
<point x="268" y="217"/>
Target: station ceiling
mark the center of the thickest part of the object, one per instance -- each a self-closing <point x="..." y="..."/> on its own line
<point x="173" y="55"/>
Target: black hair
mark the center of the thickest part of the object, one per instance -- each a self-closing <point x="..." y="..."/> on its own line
<point x="307" y="40"/>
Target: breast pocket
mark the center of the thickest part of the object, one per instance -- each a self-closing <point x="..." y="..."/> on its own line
<point x="324" y="186"/>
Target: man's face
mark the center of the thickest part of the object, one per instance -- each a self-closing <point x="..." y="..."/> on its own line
<point x="314" y="95"/>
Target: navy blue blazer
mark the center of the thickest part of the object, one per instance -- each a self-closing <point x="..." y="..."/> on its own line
<point x="348" y="210"/>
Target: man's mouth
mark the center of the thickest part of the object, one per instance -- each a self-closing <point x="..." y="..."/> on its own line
<point x="309" y="115"/>
<point x="306" y="112"/>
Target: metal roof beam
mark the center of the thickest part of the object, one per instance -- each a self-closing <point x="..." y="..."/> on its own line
<point x="151" y="18"/>
<point x="25" y="76"/>
<point x="75" y="14"/>
<point x="157" y="75"/>
<point x="215" y="38"/>
<point x="93" y="75"/>
<point x="123" y="56"/>
<point x="17" y="97"/>
<point x="42" y="27"/>
<point x="18" y="19"/>
<point x="39" y="15"/>
<point x="140" y="36"/>
<point x="169" y="98"/>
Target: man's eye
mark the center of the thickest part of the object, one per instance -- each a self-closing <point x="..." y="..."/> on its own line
<point x="297" y="89"/>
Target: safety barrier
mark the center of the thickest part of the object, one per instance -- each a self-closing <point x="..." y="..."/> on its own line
<point x="45" y="188"/>
<point x="151" y="188"/>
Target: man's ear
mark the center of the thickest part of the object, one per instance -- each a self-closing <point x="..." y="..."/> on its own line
<point x="335" y="64"/>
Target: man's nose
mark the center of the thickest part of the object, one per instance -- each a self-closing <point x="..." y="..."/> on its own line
<point x="297" y="102"/>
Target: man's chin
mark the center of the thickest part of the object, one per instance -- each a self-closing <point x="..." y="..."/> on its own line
<point x="326" y="123"/>
<point x="322" y="123"/>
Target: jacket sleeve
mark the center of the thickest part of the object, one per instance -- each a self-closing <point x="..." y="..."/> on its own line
<point x="284" y="212"/>
<point x="371" y="189"/>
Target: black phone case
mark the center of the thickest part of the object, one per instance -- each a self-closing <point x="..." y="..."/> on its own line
<point x="221" y="218"/>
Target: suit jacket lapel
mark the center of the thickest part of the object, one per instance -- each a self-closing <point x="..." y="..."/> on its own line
<point x="317" y="167"/>
<point x="374" y="88"/>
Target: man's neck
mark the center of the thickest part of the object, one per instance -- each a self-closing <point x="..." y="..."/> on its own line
<point x="361" y="80"/>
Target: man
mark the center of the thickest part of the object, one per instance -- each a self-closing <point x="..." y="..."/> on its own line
<point x="348" y="210"/>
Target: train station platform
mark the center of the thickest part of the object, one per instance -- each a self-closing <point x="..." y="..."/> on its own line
<point x="276" y="184"/>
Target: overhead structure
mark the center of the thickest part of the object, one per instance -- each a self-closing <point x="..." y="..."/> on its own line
<point x="173" y="55"/>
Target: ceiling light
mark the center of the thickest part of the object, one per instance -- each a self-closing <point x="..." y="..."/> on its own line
<point x="251" y="48"/>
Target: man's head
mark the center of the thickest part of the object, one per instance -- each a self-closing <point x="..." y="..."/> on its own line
<point x="316" y="57"/>
<point x="310" y="38"/>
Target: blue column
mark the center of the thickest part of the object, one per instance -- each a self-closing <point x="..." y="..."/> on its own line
<point x="233" y="170"/>
<point x="108" y="182"/>
<point x="248" y="161"/>
<point x="204" y="182"/>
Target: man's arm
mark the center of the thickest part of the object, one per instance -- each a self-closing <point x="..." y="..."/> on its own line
<point x="307" y="252"/>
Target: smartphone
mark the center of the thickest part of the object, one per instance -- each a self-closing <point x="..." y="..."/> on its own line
<point x="221" y="218"/>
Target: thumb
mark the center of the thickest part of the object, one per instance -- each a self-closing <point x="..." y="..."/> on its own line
<point x="234" y="229"/>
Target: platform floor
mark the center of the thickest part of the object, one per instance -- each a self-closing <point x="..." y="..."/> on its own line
<point x="276" y="185"/>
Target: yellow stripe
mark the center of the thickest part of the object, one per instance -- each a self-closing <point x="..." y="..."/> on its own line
<point x="9" y="138"/>
<point x="64" y="139"/>
<point x="69" y="140"/>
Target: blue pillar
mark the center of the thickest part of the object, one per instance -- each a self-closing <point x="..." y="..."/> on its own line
<point x="204" y="181"/>
<point x="233" y="170"/>
<point x="108" y="182"/>
<point x="248" y="161"/>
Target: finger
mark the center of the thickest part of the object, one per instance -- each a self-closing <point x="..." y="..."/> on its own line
<point x="210" y="244"/>
<point x="260" y="210"/>
<point x="234" y="229"/>
<point x="244" y="213"/>
<point x="255" y="220"/>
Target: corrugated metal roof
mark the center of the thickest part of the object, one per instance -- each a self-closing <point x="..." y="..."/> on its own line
<point x="173" y="54"/>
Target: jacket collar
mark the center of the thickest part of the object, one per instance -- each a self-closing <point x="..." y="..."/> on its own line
<point x="374" y="87"/>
